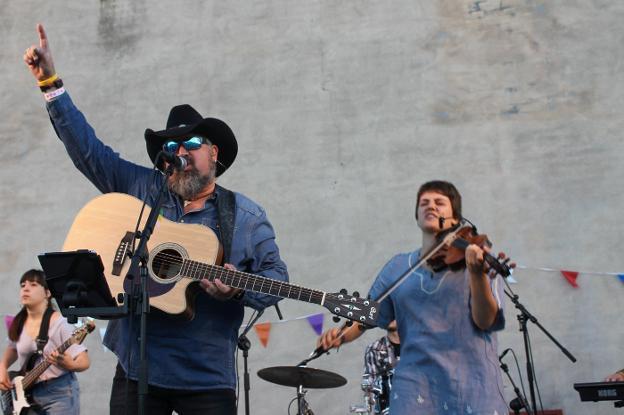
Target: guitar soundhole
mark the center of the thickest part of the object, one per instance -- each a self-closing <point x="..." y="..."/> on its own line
<point x="167" y="264"/>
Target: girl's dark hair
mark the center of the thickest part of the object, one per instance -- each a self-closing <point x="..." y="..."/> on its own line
<point x="32" y="275"/>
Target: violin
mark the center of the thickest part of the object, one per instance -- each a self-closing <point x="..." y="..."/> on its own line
<point x="452" y="255"/>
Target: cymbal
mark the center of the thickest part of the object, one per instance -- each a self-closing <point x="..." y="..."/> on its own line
<point x="304" y="376"/>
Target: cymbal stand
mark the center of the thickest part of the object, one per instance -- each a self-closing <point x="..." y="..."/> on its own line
<point x="302" y="405"/>
<point x="303" y="408"/>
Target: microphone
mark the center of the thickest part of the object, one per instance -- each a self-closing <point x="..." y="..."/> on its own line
<point x="441" y="221"/>
<point x="178" y="163"/>
<point x="500" y="358"/>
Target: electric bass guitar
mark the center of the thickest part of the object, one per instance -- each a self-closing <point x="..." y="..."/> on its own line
<point x="16" y="399"/>
<point x="180" y="255"/>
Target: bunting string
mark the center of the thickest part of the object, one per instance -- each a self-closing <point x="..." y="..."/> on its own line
<point x="263" y="330"/>
<point x="570" y="276"/>
<point x="316" y="320"/>
<point x="600" y="273"/>
<point x="286" y="320"/>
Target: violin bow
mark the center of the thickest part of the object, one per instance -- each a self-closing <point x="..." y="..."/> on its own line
<point x="450" y="236"/>
<point x="447" y="240"/>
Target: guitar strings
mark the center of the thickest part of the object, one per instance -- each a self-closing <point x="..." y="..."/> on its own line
<point x="274" y="286"/>
<point x="262" y="281"/>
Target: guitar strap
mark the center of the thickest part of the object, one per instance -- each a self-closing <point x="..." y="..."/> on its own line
<point x="226" y="211"/>
<point x="42" y="338"/>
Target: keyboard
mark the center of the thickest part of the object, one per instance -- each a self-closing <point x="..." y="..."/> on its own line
<point x="600" y="391"/>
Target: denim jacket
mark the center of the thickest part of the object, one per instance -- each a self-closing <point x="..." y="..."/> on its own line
<point x="196" y="354"/>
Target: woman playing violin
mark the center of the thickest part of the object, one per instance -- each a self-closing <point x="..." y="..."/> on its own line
<point x="447" y="320"/>
<point x="56" y="391"/>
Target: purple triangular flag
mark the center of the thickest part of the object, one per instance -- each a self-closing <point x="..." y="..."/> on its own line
<point x="316" y="321"/>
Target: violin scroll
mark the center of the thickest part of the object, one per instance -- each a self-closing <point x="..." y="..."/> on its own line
<point x="498" y="265"/>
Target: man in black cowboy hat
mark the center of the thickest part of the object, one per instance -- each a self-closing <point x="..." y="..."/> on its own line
<point x="191" y="363"/>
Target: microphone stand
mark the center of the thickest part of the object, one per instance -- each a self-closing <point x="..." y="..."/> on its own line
<point x="140" y="292"/>
<point x="519" y="397"/>
<point x="524" y="317"/>
<point x="279" y="312"/>
<point x="244" y="344"/>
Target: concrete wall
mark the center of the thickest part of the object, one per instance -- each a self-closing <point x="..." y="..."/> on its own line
<point x="341" y="110"/>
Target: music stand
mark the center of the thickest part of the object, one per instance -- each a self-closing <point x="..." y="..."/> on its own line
<point x="76" y="280"/>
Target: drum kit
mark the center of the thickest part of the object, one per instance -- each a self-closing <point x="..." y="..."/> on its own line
<point x="376" y="391"/>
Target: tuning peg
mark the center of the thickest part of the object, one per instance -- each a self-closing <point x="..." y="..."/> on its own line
<point x="336" y="319"/>
<point x="343" y="291"/>
<point x="349" y="323"/>
<point x="356" y="293"/>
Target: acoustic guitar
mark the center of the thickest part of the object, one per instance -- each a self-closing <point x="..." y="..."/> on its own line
<point x="180" y="255"/>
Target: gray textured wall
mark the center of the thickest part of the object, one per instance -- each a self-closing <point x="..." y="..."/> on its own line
<point x="341" y="110"/>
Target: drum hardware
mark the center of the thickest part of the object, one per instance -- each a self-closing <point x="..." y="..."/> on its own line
<point x="376" y="394"/>
<point x="302" y="377"/>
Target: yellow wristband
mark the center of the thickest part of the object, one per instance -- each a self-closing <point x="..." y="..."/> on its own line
<point x="48" y="81"/>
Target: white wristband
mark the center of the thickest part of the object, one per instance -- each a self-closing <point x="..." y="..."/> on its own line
<point x="49" y="96"/>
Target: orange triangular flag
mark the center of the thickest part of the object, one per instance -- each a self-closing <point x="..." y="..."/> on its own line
<point x="571" y="277"/>
<point x="263" y="330"/>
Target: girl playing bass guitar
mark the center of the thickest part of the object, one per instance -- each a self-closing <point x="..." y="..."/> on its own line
<point x="56" y="391"/>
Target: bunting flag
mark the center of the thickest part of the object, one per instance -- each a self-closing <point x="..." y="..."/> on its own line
<point x="316" y="321"/>
<point x="571" y="277"/>
<point x="510" y="279"/>
<point x="263" y="330"/>
<point x="621" y="277"/>
<point x="7" y="321"/>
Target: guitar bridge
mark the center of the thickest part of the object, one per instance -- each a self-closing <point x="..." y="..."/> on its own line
<point x="123" y="251"/>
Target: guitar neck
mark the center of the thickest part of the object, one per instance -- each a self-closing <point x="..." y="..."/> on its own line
<point x="31" y="377"/>
<point x="250" y="282"/>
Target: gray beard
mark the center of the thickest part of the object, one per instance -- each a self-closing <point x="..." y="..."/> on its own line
<point x="190" y="183"/>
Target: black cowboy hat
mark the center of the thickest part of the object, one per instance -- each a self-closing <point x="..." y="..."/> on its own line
<point x="184" y="120"/>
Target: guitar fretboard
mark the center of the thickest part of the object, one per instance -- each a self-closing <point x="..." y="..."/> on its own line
<point x="237" y="279"/>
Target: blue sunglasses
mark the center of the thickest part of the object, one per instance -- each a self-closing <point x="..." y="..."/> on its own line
<point x="189" y="144"/>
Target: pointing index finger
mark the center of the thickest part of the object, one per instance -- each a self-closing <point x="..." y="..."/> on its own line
<point x="43" y="38"/>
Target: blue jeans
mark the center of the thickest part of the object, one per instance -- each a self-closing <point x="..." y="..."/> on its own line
<point x="59" y="396"/>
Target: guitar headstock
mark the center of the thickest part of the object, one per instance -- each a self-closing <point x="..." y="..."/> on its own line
<point x="79" y="335"/>
<point x="352" y="307"/>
